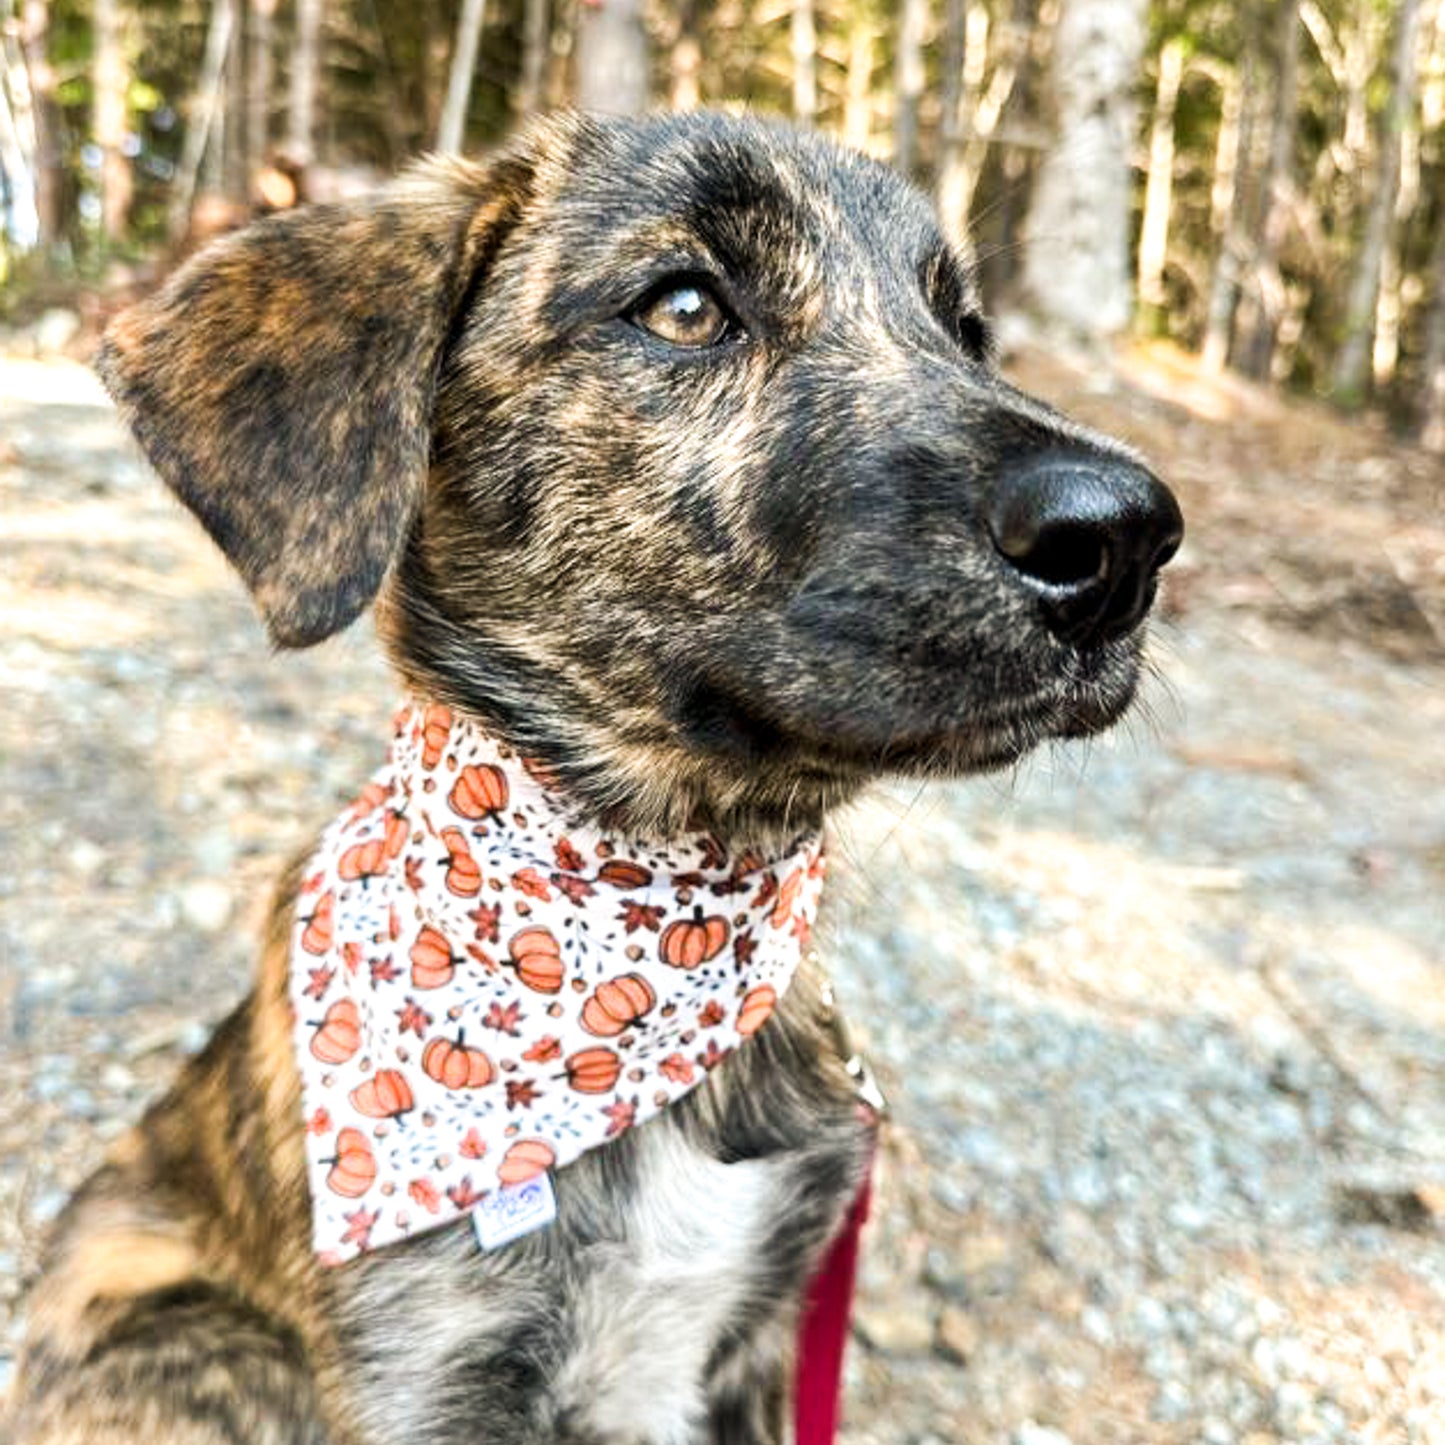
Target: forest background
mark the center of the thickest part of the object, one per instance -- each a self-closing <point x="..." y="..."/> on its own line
<point x="1260" y="181"/>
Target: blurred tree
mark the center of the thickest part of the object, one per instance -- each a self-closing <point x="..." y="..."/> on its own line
<point x="612" y="64"/>
<point x="909" y="77"/>
<point x="44" y="119"/>
<point x="1350" y="378"/>
<point x="111" y="81"/>
<point x="463" y="67"/>
<point x="1076" y="268"/>
<point x="305" y="75"/>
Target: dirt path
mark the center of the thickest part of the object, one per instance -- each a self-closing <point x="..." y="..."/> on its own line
<point x="1162" y="1020"/>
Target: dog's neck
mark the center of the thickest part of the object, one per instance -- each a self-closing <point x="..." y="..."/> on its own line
<point x="486" y="985"/>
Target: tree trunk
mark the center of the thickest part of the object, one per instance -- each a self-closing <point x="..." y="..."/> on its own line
<point x="1432" y="386"/>
<point x="1076" y="266"/>
<point x="858" y="79"/>
<point x="685" y="62"/>
<point x="536" y="42"/>
<point x="612" y="66"/>
<point x="233" y="140"/>
<point x="952" y="189"/>
<point x="44" y="118"/>
<point x="908" y="83"/>
<point x="805" y="63"/>
<point x="452" y="128"/>
<point x="1159" y="190"/>
<point x="1350" y="379"/>
<point x="258" y="82"/>
<point x="305" y="71"/>
<point x="1256" y="350"/>
<point x="19" y="221"/>
<point x="108" y="119"/>
<point x="1226" y="212"/>
<point x="201" y="118"/>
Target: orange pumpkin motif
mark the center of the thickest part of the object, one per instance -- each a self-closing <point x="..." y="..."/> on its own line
<point x="436" y="725"/>
<point x="455" y="1066"/>
<point x="593" y="1071"/>
<point x="537" y="957"/>
<point x="787" y="897"/>
<point x="693" y="941"/>
<point x="617" y="1005"/>
<point x="397" y="830"/>
<point x="757" y="1009"/>
<point x="480" y="789"/>
<point x="624" y="875"/>
<point x="383" y="1096"/>
<point x="363" y="860"/>
<point x="525" y="1160"/>
<point x="464" y="876"/>
<point x="432" y="960"/>
<point x="316" y="937"/>
<point x="339" y="1035"/>
<point x="354" y="1169"/>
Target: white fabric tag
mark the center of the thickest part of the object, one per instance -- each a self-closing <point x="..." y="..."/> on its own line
<point x="514" y="1210"/>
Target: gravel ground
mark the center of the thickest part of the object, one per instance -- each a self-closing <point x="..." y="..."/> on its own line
<point x="1162" y="1019"/>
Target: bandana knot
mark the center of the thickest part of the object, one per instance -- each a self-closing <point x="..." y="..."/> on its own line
<point x="485" y="986"/>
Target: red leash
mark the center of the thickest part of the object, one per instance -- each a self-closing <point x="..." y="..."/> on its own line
<point x="823" y="1336"/>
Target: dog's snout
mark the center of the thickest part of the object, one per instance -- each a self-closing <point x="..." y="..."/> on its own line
<point x="1089" y="535"/>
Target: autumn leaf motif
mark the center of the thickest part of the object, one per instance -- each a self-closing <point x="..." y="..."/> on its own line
<point x="531" y="882"/>
<point x="712" y="1056"/>
<point x="486" y="916"/>
<point x="505" y="1020"/>
<point x="473" y="1146"/>
<point x="639" y="915"/>
<point x="463" y="1195"/>
<point x="767" y="891"/>
<point x="424" y="1192"/>
<point x="569" y="860"/>
<point x="359" y="1224"/>
<point x="521" y="1092"/>
<point x="320" y="982"/>
<point x="413" y="866"/>
<point x="412" y="1018"/>
<point x="677" y="1069"/>
<point x="576" y="890"/>
<point x="620" y="1114"/>
<point x="711" y="1016"/>
<point x="744" y="946"/>
<point x="351" y="956"/>
<point x="713" y="853"/>
<point x="547" y="1048"/>
<point x="383" y="970"/>
<point x="319" y="1123"/>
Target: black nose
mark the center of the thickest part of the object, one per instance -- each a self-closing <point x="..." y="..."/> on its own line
<point x="1088" y="534"/>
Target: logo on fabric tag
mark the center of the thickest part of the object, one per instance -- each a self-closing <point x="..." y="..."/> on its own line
<point x="514" y="1210"/>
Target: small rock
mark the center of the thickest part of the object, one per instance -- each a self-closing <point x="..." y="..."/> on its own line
<point x="1032" y="1433"/>
<point x="896" y="1330"/>
<point x="957" y="1335"/>
<point x="55" y="330"/>
<point x="206" y="905"/>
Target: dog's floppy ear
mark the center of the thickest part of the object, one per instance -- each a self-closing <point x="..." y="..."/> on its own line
<point x="282" y="382"/>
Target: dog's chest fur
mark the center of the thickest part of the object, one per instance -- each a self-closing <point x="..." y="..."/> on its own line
<point x="627" y="1320"/>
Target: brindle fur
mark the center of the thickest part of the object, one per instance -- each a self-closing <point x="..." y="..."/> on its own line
<point x="722" y="587"/>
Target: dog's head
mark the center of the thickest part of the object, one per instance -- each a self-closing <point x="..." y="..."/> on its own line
<point x="670" y="447"/>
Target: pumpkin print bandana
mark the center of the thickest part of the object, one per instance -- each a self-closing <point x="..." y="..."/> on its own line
<point x="485" y="987"/>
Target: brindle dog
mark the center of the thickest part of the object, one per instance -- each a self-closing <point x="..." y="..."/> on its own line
<point x="672" y="449"/>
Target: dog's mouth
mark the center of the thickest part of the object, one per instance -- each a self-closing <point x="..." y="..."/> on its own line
<point x="933" y="723"/>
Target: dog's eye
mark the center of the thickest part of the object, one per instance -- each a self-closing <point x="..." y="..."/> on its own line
<point x="685" y="315"/>
<point x="975" y="335"/>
